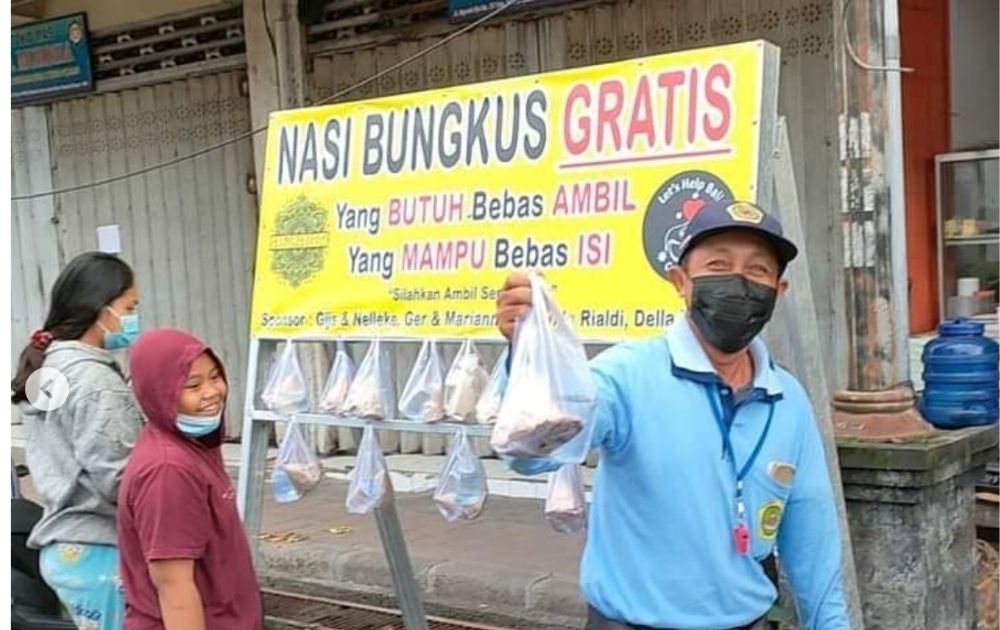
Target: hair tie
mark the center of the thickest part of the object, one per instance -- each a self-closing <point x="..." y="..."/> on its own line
<point x="41" y="339"/>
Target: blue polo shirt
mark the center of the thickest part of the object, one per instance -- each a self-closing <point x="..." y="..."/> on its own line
<point x="660" y="550"/>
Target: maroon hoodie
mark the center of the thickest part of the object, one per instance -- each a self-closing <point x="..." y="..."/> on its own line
<point x="176" y="500"/>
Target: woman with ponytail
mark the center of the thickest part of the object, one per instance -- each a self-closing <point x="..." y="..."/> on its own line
<point x="77" y="451"/>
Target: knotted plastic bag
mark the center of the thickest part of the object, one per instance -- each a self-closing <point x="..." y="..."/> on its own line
<point x="488" y="406"/>
<point x="461" y="491"/>
<point x="297" y="469"/>
<point x="286" y="392"/>
<point x="371" y="394"/>
<point x="465" y="383"/>
<point x="547" y="411"/>
<point x="423" y="396"/>
<point x="369" y="481"/>
<point x="338" y="382"/>
<point x="566" y="502"/>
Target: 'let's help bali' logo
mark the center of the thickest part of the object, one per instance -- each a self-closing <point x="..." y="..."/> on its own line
<point x="675" y="203"/>
<point x="299" y="241"/>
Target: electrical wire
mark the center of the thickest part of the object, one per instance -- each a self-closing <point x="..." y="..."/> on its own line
<point x="249" y="134"/>
<point x="270" y="37"/>
<point x="858" y="61"/>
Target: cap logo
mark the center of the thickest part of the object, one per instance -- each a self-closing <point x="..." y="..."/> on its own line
<point x="678" y="201"/>
<point x="746" y="213"/>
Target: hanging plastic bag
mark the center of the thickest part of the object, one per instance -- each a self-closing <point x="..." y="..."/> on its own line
<point x="465" y="383"/>
<point x="461" y="491"/>
<point x="369" y="481"/>
<point x="285" y="392"/>
<point x="488" y="406"/>
<point x="338" y="383"/>
<point x="297" y="469"/>
<point x="423" y="397"/>
<point x="371" y="394"/>
<point x="566" y="502"/>
<point x="547" y="411"/>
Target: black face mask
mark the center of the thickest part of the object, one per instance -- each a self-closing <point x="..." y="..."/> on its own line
<point x="730" y="310"/>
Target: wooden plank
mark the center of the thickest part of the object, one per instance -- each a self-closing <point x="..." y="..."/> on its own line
<point x="365" y="66"/>
<point x="226" y="186"/>
<point x="323" y="76"/>
<point x="692" y="29"/>
<point x="437" y="64"/>
<point x="819" y="182"/>
<point x="406" y="355"/>
<point x="803" y="332"/>
<point x="167" y="54"/>
<point x="462" y="58"/>
<point x="141" y="235"/>
<point x="103" y="202"/>
<point x="604" y="34"/>
<point x="198" y="252"/>
<point x="231" y="166"/>
<point x="166" y="37"/>
<point x="491" y="52"/>
<point x="167" y="127"/>
<point x="165" y="75"/>
<point x="413" y="75"/>
<point x="630" y="29"/>
<point x="76" y="170"/>
<point x="160" y="298"/>
<point x="33" y="267"/>
<point x="206" y="233"/>
<point x="521" y="48"/>
<point x="660" y="19"/>
<point x="120" y="202"/>
<point x="241" y="215"/>
<point x="577" y="39"/>
<point x="390" y="83"/>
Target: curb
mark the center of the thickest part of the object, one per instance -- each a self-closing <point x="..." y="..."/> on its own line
<point x="460" y="585"/>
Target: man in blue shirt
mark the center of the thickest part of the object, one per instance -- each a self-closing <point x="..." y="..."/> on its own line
<point x="711" y="460"/>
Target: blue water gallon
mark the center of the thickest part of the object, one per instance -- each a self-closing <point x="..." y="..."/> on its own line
<point x="961" y="377"/>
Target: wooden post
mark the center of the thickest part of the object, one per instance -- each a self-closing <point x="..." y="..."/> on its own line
<point x="875" y="405"/>
<point x="801" y="328"/>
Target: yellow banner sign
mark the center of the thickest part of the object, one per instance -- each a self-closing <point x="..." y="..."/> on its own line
<point x="402" y="216"/>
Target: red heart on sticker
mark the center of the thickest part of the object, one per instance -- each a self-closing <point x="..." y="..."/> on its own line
<point x="691" y="208"/>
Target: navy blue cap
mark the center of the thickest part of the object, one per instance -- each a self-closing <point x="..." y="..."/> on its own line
<point x="722" y="216"/>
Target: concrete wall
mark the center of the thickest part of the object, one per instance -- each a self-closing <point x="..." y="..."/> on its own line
<point x="104" y="14"/>
<point x="975" y="74"/>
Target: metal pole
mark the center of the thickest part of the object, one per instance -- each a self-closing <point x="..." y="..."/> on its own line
<point x="397" y="556"/>
<point x="894" y="167"/>
<point x="253" y="458"/>
<point x="877" y="403"/>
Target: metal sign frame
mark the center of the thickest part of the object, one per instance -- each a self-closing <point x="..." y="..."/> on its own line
<point x="775" y="189"/>
<point x="253" y="468"/>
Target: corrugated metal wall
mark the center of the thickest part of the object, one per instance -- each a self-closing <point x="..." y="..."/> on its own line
<point x="189" y="231"/>
<point x="34" y="249"/>
<point x="619" y="30"/>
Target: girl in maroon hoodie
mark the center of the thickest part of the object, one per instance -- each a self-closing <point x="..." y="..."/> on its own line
<point x="185" y="558"/>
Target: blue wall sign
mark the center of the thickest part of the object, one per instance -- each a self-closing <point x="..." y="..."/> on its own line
<point x="461" y="10"/>
<point x="50" y="59"/>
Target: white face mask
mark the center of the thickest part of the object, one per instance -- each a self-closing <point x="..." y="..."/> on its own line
<point x="198" y="426"/>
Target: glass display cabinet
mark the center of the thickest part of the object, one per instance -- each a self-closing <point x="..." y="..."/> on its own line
<point x="968" y="225"/>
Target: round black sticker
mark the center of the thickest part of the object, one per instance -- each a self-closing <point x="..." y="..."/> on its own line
<point x="670" y="210"/>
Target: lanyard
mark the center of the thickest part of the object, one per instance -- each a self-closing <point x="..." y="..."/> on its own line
<point x="741" y="533"/>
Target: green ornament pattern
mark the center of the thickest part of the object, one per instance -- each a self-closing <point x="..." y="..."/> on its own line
<point x="298" y="266"/>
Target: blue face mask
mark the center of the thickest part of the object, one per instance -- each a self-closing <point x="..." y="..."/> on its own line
<point x="129" y="331"/>
<point x="198" y="426"/>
